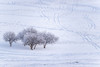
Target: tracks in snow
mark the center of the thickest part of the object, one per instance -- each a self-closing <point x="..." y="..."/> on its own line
<point x="84" y="35"/>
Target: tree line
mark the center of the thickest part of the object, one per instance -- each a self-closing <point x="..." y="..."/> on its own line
<point x="31" y="37"/>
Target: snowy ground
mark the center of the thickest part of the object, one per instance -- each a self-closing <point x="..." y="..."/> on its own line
<point x="75" y="22"/>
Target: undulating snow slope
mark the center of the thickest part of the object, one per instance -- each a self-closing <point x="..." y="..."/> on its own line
<point x="75" y="22"/>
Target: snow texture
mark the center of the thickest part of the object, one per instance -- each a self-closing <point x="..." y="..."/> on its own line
<point x="75" y="22"/>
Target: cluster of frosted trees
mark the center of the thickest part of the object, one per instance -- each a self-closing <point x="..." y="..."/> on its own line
<point x="30" y="37"/>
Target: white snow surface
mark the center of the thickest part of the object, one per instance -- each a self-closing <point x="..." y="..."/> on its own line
<point x="75" y="22"/>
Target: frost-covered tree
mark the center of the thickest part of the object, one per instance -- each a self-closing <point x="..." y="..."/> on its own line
<point x="33" y="39"/>
<point x="49" y="38"/>
<point x="30" y="30"/>
<point x="9" y="37"/>
<point x="40" y="39"/>
<point x="20" y="36"/>
<point x="30" y="40"/>
<point x="27" y="31"/>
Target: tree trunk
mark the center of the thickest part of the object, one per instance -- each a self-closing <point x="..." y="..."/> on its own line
<point x="10" y="44"/>
<point x="31" y="46"/>
<point x="24" y="45"/>
<point x="44" y="45"/>
<point x="35" y="46"/>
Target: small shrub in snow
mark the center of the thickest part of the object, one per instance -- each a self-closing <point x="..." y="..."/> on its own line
<point x="9" y="37"/>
